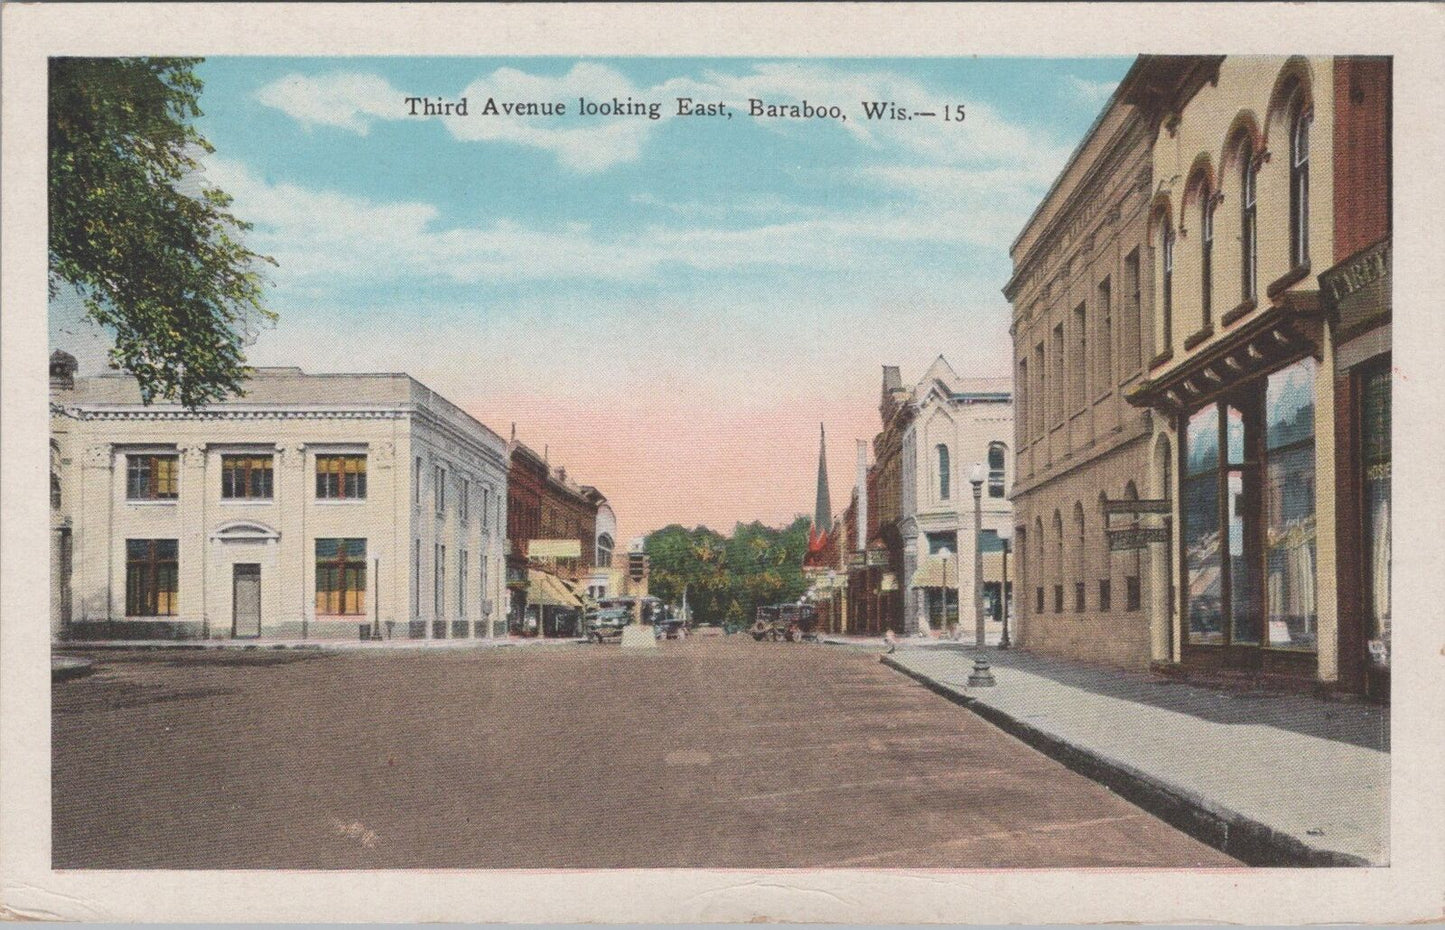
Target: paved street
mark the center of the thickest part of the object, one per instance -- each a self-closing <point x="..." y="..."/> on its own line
<point x="709" y="753"/>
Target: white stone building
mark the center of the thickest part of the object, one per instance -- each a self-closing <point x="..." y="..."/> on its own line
<point x="955" y="422"/>
<point x="331" y="506"/>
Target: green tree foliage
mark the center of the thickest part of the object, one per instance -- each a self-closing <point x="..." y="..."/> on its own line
<point x="727" y="578"/>
<point x="153" y="251"/>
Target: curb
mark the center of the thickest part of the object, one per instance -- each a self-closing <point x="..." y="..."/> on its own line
<point x="1248" y="840"/>
<point x="65" y="668"/>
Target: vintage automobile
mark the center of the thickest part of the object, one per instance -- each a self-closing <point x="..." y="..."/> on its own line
<point x="607" y="624"/>
<point x="791" y="622"/>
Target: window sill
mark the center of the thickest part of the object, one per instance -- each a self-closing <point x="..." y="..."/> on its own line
<point x="1295" y="275"/>
<point x="158" y="502"/>
<point x="339" y="501"/>
<point x="1198" y="337"/>
<point x="1245" y="307"/>
<point x="248" y="501"/>
<point x="354" y="618"/>
<point x="1161" y="358"/>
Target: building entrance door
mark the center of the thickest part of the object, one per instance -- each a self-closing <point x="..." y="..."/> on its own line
<point x="245" y="600"/>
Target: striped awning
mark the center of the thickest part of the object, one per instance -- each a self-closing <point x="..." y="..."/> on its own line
<point x="548" y="590"/>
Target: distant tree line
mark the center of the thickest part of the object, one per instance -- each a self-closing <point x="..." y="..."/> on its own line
<point x="728" y="577"/>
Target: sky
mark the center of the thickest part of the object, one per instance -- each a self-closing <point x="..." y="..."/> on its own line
<point x="668" y="307"/>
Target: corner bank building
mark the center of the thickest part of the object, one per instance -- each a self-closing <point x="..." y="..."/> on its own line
<point x="313" y="507"/>
<point x="1255" y="197"/>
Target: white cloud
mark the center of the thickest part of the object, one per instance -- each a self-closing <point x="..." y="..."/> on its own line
<point x="344" y="99"/>
<point x="1092" y="93"/>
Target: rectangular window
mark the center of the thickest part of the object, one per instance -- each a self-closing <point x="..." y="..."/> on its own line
<point x="1133" y="348"/>
<point x="462" y="565"/>
<point x="1039" y="599"/>
<point x="416" y="580"/>
<point x="1025" y="399"/>
<point x="151" y="576"/>
<point x="1041" y="395"/>
<point x="1081" y="357"/>
<point x="1132" y="595"/>
<point x="482" y="577"/>
<point x="416" y="492"/>
<point x="1060" y="386"/>
<point x="1375" y="459"/>
<point x="439" y="582"/>
<point x="464" y="502"/>
<point x="1289" y="507"/>
<point x="1105" y="595"/>
<point x="1104" y="340"/>
<point x="246" y="477"/>
<point x="152" y="477"/>
<point x="1248" y="508"/>
<point x="486" y="506"/>
<point x="1078" y="597"/>
<point x="340" y="577"/>
<point x="1058" y="598"/>
<point x="341" y="477"/>
<point x="439" y="488"/>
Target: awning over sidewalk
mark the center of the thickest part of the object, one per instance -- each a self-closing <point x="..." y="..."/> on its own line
<point x="550" y="591"/>
<point x="935" y="573"/>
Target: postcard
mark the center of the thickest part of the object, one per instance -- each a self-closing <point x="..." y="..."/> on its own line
<point x="720" y="463"/>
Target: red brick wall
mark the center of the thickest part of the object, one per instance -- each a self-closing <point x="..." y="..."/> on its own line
<point x="1362" y="153"/>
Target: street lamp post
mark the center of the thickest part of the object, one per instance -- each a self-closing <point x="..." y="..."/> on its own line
<point x="1005" y="533"/>
<point x="981" y="677"/>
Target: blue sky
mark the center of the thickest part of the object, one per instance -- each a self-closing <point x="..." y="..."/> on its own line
<point x="710" y="285"/>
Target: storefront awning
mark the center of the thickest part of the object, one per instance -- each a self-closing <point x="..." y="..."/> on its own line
<point x="1289" y="329"/>
<point x="550" y="591"/>
<point x="935" y="572"/>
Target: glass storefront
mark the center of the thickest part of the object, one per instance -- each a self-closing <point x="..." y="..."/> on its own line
<point x="1249" y="515"/>
<point x="1375" y="443"/>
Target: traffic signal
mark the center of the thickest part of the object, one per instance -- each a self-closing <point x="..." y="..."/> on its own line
<point x="636" y="566"/>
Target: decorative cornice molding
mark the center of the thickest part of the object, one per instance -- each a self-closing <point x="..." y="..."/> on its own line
<point x="230" y="412"/>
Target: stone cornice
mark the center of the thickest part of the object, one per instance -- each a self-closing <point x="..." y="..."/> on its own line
<point x="234" y="412"/>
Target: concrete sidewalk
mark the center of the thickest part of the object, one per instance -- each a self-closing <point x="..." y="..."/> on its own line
<point x="1272" y="779"/>
<point x="316" y="644"/>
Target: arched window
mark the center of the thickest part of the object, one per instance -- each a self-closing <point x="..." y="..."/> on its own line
<point x="1058" y="563"/>
<point x="1206" y="257"/>
<point x="1133" y="591"/>
<point x="997" y="456"/>
<point x="1248" y="233"/>
<point x="943" y="472"/>
<point x="1299" y="184"/>
<point x="604" y="551"/>
<point x="1039" y="572"/>
<point x="1079" y="565"/>
<point x="1166" y="303"/>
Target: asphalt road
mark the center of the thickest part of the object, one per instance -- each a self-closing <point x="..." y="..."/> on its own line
<point x="708" y="753"/>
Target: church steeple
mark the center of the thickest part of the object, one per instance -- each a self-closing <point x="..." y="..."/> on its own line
<point x="823" y="510"/>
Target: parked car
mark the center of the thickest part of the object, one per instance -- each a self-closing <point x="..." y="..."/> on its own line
<point x="670" y="628"/>
<point x="607" y="624"/>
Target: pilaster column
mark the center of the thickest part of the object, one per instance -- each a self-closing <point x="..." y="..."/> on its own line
<point x="290" y="488"/>
<point x="191" y="541"/>
<point x="94" y="552"/>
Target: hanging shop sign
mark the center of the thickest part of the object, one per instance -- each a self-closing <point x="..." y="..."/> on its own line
<point x="1137" y="537"/>
<point x="1137" y="506"/>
